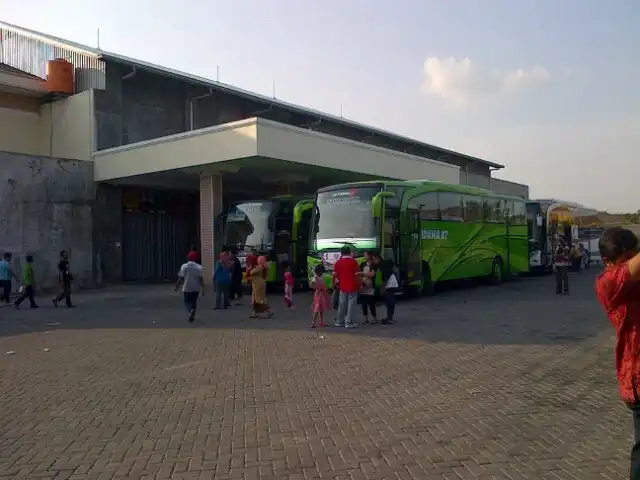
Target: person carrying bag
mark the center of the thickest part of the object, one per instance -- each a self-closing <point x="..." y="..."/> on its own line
<point x="389" y="287"/>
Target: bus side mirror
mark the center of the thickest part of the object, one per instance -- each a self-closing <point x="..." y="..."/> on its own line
<point x="376" y="203"/>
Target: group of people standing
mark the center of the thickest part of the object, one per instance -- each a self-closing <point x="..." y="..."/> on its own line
<point x="227" y="279"/>
<point x="355" y="283"/>
<point x="352" y="283"/>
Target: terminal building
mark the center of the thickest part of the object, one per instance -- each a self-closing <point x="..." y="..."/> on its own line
<point x="126" y="164"/>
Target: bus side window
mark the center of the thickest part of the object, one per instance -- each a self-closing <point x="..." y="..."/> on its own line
<point x="472" y="208"/>
<point x="509" y="212"/>
<point x="499" y="215"/>
<point x="414" y="219"/>
<point x="429" y="208"/>
<point x="491" y="210"/>
<point x="451" y="206"/>
<point x="520" y="213"/>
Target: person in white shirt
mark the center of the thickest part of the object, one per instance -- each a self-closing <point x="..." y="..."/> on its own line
<point x="192" y="282"/>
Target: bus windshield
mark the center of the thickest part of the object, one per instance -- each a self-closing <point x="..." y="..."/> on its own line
<point x="248" y="225"/>
<point x="344" y="214"/>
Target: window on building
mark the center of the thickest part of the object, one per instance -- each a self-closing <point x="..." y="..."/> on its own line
<point x="451" y="207"/>
<point x="472" y="208"/>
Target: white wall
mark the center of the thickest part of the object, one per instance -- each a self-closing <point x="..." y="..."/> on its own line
<point x="61" y="129"/>
<point x="263" y="138"/>
<point x="285" y="142"/>
<point x="19" y="131"/>
<point x="66" y="127"/>
<point x="199" y="147"/>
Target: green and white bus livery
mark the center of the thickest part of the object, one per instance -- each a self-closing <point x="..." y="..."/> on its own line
<point x="433" y="231"/>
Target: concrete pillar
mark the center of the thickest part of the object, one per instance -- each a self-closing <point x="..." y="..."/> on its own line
<point x="210" y="208"/>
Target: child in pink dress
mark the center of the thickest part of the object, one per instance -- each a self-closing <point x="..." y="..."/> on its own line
<point x="321" y="300"/>
<point x="288" y="285"/>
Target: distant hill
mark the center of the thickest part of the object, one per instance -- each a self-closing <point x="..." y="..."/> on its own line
<point x="616" y="218"/>
<point x="629" y="220"/>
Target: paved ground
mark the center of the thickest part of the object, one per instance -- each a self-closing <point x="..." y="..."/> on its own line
<point x="508" y="382"/>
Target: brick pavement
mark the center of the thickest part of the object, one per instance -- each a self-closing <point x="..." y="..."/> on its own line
<point x="508" y="382"/>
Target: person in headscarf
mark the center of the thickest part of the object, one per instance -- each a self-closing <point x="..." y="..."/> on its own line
<point x="250" y="263"/>
<point x="222" y="281"/>
<point x="258" y="279"/>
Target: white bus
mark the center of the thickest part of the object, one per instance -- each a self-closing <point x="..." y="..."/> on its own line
<point x="550" y="219"/>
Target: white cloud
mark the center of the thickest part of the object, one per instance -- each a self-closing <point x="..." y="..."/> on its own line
<point x="523" y="78"/>
<point x="461" y="81"/>
<point x="590" y="160"/>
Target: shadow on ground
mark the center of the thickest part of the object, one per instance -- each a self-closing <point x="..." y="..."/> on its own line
<point x="522" y="311"/>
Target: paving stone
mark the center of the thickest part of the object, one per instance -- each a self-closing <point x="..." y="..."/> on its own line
<point x="506" y="382"/>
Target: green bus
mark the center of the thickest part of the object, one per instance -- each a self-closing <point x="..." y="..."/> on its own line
<point x="277" y="228"/>
<point x="433" y="231"/>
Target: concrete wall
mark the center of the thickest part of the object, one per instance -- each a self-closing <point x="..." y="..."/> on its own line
<point x="107" y="233"/>
<point x="60" y="129"/>
<point x="144" y="106"/>
<point x="45" y="207"/>
<point x="495" y="185"/>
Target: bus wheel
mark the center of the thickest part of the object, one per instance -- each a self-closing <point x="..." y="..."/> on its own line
<point x="497" y="271"/>
<point x="427" y="284"/>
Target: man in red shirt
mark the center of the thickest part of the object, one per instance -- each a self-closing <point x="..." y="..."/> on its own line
<point x="347" y="275"/>
<point x="618" y="291"/>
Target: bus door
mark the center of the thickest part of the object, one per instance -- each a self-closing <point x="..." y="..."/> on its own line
<point x="390" y="245"/>
<point x="411" y="254"/>
<point x="508" y="211"/>
<point x="301" y="243"/>
<point x="536" y="234"/>
<point x="283" y="229"/>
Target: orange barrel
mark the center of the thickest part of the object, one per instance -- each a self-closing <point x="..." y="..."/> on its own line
<point x="60" y="76"/>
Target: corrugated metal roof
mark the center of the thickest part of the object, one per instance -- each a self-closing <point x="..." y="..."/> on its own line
<point x="16" y="71"/>
<point x="51" y="39"/>
<point x="116" y="58"/>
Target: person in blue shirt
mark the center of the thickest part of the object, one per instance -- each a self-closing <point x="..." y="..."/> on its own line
<point x="222" y="281"/>
<point x="6" y="274"/>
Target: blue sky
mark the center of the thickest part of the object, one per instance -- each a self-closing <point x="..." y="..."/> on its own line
<point x="548" y="88"/>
